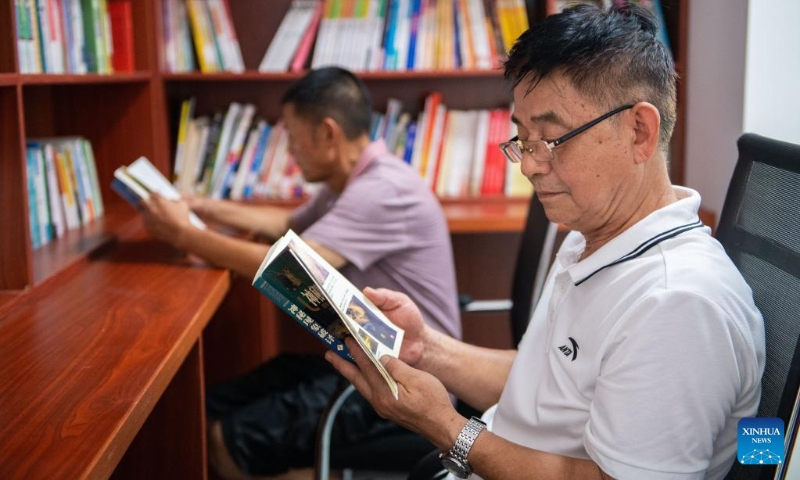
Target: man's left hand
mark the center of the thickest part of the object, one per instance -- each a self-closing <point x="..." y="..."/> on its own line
<point x="423" y="406"/>
<point x="166" y="219"/>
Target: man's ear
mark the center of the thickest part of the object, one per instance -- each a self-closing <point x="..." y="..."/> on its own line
<point x="646" y="128"/>
<point x="330" y="131"/>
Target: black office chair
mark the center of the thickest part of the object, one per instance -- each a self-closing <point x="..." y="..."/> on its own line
<point x="401" y="452"/>
<point x="760" y="230"/>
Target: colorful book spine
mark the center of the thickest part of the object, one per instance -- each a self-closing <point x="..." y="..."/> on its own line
<point x="121" y="15"/>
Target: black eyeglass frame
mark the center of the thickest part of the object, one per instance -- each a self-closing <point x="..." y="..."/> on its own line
<point x="560" y="140"/>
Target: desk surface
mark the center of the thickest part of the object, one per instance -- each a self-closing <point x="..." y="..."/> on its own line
<point x="86" y="356"/>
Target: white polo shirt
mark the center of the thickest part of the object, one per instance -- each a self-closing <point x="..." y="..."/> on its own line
<point x="642" y="357"/>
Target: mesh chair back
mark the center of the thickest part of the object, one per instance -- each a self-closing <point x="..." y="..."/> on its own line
<point x="760" y="230"/>
<point x="529" y="258"/>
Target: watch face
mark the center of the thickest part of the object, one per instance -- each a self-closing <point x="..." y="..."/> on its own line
<point x="455" y="467"/>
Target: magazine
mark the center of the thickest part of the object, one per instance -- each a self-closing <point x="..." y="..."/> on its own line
<point x="321" y="299"/>
<point x="135" y="182"/>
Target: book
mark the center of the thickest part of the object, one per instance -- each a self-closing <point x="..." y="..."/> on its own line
<point x="121" y="15"/>
<point x="321" y="299"/>
<point x="135" y="182"/>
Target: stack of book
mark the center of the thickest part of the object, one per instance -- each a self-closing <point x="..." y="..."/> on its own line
<point x="74" y="36"/>
<point x="63" y="189"/>
<point x="210" y="24"/>
<point x="455" y="151"/>
<point x="395" y="35"/>
<point x="235" y="155"/>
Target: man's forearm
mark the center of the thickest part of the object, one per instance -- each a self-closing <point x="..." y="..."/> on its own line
<point x="241" y="256"/>
<point x="476" y="375"/>
<point x="271" y="222"/>
<point x="493" y="457"/>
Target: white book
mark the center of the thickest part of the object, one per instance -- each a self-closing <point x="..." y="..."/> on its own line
<point x="224" y="144"/>
<point x="203" y="125"/>
<point x="403" y="34"/>
<point x="436" y="141"/>
<point x="91" y="165"/>
<point x="226" y="38"/>
<point x="480" y="36"/>
<point x="277" y="167"/>
<point x="41" y="198"/>
<point x="183" y="179"/>
<point x="153" y="181"/>
<point x="446" y="166"/>
<point x="78" y="36"/>
<point x="235" y="151"/>
<point x="462" y="155"/>
<point x="262" y="176"/>
<point x="422" y="131"/>
<point x="247" y="160"/>
<point x="56" y="208"/>
<point x="82" y="176"/>
<point x="479" y="149"/>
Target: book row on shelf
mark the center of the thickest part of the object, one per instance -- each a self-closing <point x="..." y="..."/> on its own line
<point x="239" y="156"/>
<point x="74" y="36"/>
<point x="210" y="24"/>
<point x="395" y="35"/>
<point x="360" y="35"/>
<point x="63" y="188"/>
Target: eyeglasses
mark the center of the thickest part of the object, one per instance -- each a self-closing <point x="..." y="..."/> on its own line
<point x="542" y="150"/>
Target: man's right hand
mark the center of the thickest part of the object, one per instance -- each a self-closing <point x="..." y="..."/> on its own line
<point x="197" y="204"/>
<point x="405" y="314"/>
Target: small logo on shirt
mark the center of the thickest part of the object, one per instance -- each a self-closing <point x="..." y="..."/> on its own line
<point x="760" y="441"/>
<point x="567" y="351"/>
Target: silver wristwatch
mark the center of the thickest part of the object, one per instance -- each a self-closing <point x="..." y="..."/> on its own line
<point x="455" y="461"/>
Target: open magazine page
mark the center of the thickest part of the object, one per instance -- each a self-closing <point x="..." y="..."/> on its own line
<point x="376" y="332"/>
<point x="284" y="280"/>
<point x="304" y="285"/>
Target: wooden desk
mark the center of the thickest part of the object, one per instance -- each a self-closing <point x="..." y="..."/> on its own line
<point x="86" y="356"/>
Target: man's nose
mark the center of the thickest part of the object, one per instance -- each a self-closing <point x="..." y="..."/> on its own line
<point x="530" y="166"/>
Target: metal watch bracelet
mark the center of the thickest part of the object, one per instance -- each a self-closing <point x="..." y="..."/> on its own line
<point x="466" y="438"/>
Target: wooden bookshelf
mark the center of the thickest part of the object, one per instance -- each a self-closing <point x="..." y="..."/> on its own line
<point x="49" y="297"/>
<point x="126" y="115"/>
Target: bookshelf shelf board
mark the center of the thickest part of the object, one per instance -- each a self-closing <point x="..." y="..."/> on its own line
<point x="58" y="79"/>
<point x="7" y="79"/>
<point x="494" y="214"/>
<point x="119" y="220"/>
<point x="252" y="75"/>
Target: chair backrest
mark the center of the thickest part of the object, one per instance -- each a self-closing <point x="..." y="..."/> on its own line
<point x="533" y="261"/>
<point x="760" y="230"/>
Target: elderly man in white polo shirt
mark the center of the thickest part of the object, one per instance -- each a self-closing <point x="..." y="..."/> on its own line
<point x="645" y="349"/>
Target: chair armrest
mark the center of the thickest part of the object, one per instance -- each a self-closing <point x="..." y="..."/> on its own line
<point x="487" y="306"/>
<point x="322" y="463"/>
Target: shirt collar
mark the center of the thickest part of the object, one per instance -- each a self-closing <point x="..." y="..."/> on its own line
<point x="374" y="150"/>
<point x="660" y="225"/>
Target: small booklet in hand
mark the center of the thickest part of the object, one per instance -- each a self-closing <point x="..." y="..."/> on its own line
<point x="320" y="298"/>
<point x="135" y="182"/>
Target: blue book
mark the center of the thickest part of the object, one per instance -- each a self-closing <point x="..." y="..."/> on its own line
<point x="455" y="36"/>
<point x="412" y="43"/>
<point x="409" y="151"/>
<point x="126" y="192"/>
<point x="33" y="213"/>
<point x="390" y="56"/>
<point x="255" y="167"/>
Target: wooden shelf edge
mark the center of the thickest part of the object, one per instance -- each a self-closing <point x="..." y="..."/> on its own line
<point x="252" y="75"/>
<point x="8" y="79"/>
<point x="90" y="78"/>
